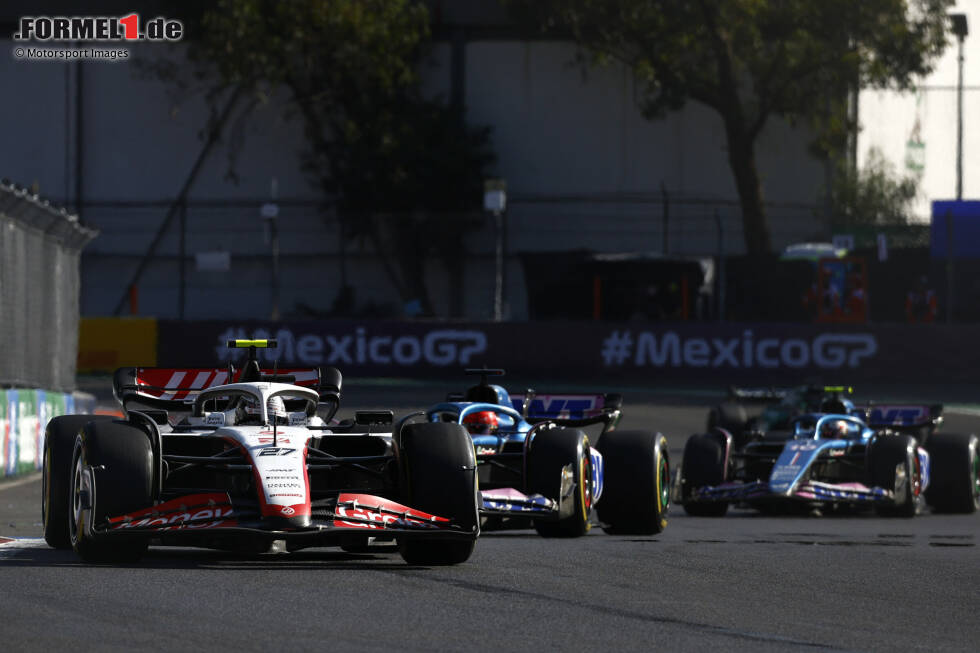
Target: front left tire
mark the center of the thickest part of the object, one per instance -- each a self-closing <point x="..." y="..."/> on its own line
<point x="636" y="483"/>
<point x="438" y="476"/>
<point x="552" y="451"/>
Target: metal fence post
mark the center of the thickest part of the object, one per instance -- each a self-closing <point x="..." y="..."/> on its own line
<point x="721" y="268"/>
<point x="181" y="259"/>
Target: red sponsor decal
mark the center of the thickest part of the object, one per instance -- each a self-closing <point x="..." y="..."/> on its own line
<point x="379" y="513"/>
<point x="291" y="511"/>
<point x="206" y="510"/>
<point x="270" y="440"/>
<point x="179" y="383"/>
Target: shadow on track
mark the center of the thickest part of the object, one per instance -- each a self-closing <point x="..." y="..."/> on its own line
<point x="188" y="558"/>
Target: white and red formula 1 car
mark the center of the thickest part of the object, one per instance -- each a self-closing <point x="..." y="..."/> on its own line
<point x="248" y="460"/>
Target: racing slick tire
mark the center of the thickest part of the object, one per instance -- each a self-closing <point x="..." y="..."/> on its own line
<point x="954" y="472"/>
<point x="438" y="476"/>
<point x="730" y="416"/>
<point x="636" y="483"/>
<point x="885" y="455"/>
<point x="121" y="482"/>
<point x="551" y="451"/>
<point x="59" y="442"/>
<point x="703" y="465"/>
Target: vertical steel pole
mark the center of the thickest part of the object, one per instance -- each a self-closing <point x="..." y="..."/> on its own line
<point x="80" y="144"/>
<point x="275" y="269"/>
<point x="721" y="268"/>
<point x="181" y="258"/>
<point x="959" y="125"/>
<point x="498" y="285"/>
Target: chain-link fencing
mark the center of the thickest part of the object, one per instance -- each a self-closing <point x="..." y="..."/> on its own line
<point x="40" y="247"/>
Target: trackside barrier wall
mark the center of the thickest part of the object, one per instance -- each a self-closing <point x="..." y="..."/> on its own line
<point x="642" y="352"/>
<point x="108" y="343"/>
<point x="40" y="247"/>
<point x="24" y="414"/>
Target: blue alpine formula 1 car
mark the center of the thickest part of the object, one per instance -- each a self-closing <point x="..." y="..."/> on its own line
<point x="836" y="459"/>
<point x="537" y="466"/>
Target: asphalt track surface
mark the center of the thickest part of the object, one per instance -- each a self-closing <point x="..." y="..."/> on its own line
<point x="739" y="583"/>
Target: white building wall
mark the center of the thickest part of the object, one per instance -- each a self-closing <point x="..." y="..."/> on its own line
<point x="559" y="132"/>
<point x="888" y="121"/>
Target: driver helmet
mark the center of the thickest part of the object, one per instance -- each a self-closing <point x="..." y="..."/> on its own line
<point x="482" y="422"/>
<point x="834" y="429"/>
<point x="277" y="411"/>
<point x="249" y="411"/>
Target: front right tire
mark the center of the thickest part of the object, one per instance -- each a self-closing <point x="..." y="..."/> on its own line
<point x="56" y="475"/>
<point x="889" y="455"/>
<point x="121" y="482"/>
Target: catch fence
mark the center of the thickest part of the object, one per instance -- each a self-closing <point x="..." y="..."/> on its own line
<point x="217" y="258"/>
<point x="40" y="247"/>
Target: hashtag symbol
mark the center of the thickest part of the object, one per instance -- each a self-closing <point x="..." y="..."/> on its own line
<point x="617" y="348"/>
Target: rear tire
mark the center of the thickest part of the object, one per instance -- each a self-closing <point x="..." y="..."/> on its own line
<point x="550" y="452"/>
<point x="703" y="465"/>
<point x="438" y="475"/>
<point x="954" y="473"/>
<point x="885" y="454"/>
<point x="59" y="443"/>
<point x="636" y="483"/>
<point x="122" y="484"/>
<point x="730" y="416"/>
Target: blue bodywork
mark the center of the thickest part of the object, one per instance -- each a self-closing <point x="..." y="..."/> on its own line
<point x="509" y="442"/>
<point x="789" y="475"/>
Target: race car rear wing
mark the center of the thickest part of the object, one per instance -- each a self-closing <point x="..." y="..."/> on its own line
<point x="757" y="395"/>
<point x="771" y="393"/>
<point x="172" y="388"/>
<point x="899" y="417"/>
<point x="566" y="405"/>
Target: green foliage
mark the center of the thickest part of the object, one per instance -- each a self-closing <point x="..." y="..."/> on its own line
<point x="345" y="46"/>
<point x="875" y="195"/>
<point x="751" y="60"/>
<point x="396" y="164"/>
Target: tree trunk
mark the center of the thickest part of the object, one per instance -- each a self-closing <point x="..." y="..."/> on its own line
<point x="741" y="158"/>
<point x="741" y="138"/>
<point x="452" y="254"/>
<point x="410" y="249"/>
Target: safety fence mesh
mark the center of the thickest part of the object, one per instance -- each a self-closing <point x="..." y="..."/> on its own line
<point x="40" y="247"/>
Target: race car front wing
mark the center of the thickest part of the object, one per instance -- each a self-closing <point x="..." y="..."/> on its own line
<point x="512" y="502"/>
<point x="219" y="514"/>
<point x="807" y="491"/>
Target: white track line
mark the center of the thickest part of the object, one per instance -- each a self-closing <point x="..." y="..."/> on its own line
<point x="12" y="548"/>
<point x="972" y="411"/>
<point x="30" y="478"/>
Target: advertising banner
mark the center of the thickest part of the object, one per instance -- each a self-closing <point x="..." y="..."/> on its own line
<point x="650" y="352"/>
<point x="24" y="414"/>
